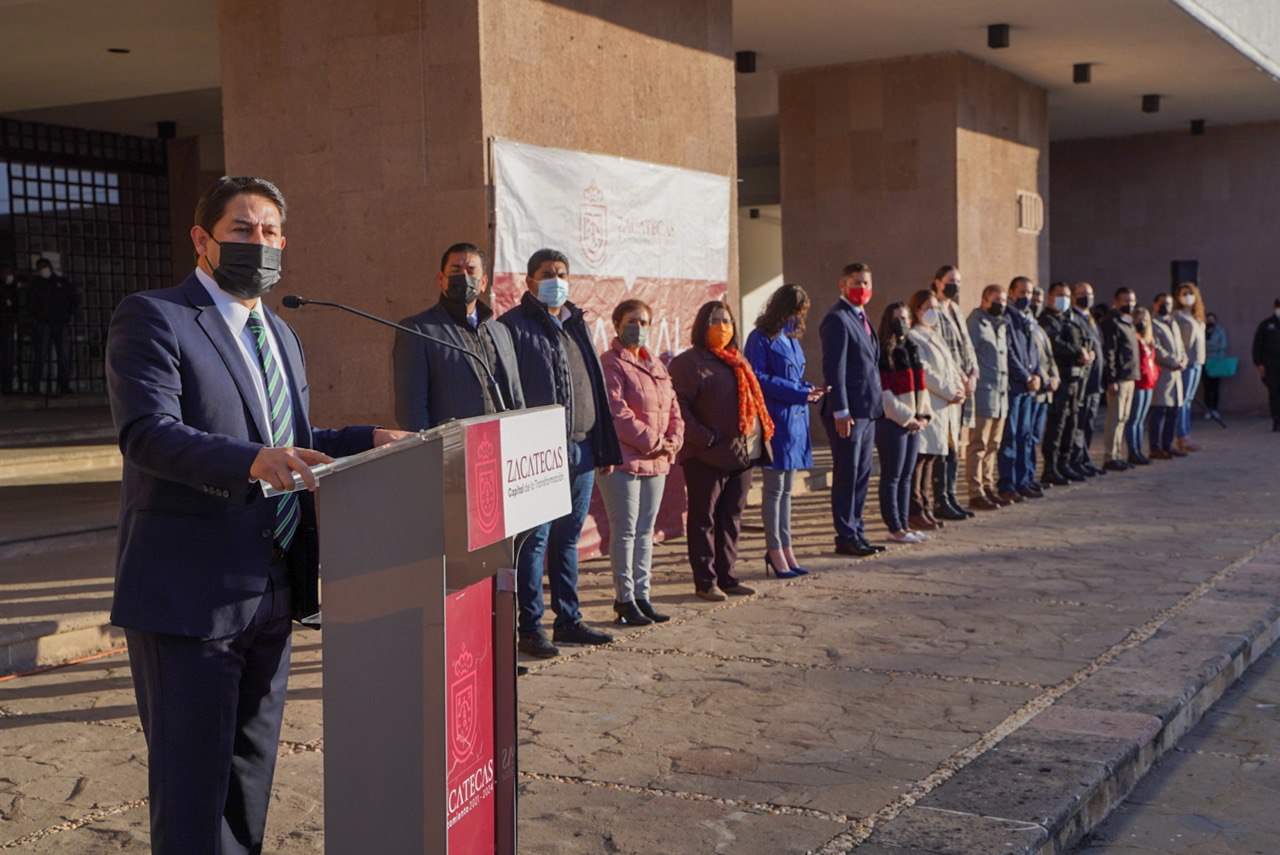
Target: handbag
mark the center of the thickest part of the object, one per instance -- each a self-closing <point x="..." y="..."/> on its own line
<point x="1221" y="366"/>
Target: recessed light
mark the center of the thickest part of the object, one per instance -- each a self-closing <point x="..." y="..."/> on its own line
<point x="1082" y="72"/>
<point x="1151" y="103"/>
<point x="997" y="36"/>
<point x="118" y="50"/>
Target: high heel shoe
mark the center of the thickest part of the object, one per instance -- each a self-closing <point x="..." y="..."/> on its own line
<point x="781" y="574"/>
<point x="629" y="614"/>
<point x="647" y="610"/>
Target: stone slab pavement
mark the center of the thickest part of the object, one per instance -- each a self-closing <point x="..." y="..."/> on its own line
<point x="997" y="689"/>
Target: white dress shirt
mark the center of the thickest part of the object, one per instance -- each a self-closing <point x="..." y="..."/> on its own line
<point x="236" y="316"/>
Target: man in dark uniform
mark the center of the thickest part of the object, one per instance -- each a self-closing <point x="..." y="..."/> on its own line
<point x="1071" y="352"/>
<point x="1266" y="357"/>
<point x="1093" y="385"/>
<point x="52" y="302"/>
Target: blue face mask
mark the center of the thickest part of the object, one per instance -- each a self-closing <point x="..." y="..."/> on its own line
<point x="791" y="327"/>
<point x="553" y="292"/>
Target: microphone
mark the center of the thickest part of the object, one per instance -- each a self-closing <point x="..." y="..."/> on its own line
<point x="293" y="301"/>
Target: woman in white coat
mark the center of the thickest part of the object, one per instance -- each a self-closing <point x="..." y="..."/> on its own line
<point x="946" y="395"/>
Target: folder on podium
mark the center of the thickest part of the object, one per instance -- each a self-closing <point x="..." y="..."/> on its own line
<point x="418" y="606"/>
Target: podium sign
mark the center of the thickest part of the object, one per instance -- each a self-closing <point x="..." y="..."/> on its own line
<point x="472" y="764"/>
<point x="517" y="476"/>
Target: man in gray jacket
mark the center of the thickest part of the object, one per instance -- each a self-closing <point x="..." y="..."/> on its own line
<point x="989" y="332"/>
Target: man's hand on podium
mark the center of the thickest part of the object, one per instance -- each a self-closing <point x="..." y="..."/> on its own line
<point x="381" y="436"/>
<point x="276" y="465"/>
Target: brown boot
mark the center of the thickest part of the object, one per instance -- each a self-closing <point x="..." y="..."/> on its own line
<point x="918" y="522"/>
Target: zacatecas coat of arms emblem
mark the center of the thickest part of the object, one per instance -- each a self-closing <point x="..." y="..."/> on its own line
<point x="593" y="224"/>
<point x="487" y="485"/>
<point x="463" y="701"/>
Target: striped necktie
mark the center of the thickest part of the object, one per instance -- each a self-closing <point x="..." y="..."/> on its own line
<point x="288" y="513"/>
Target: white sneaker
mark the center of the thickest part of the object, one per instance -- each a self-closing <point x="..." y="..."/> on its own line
<point x="920" y="536"/>
<point x="903" y="537"/>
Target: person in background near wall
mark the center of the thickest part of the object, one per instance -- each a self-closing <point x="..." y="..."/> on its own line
<point x="1166" y="397"/>
<point x="989" y="332"/>
<point x="1092" y="393"/>
<point x="1070" y="342"/>
<point x="727" y="431"/>
<point x="1215" y="351"/>
<point x="907" y="411"/>
<point x="650" y="430"/>
<point x="8" y="328"/>
<point x="1190" y="318"/>
<point x="1015" y="458"/>
<point x="1120" y="370"/>
<point x="1148" y="371"/>
<point x="941" y="435"/>
<point x="851" y="371"/>
<point x="954" y="331"/>
<point x="558" y="365"/>
<point x="1266" y="358"/>
<point x="51" y="302"/>
<point x="774" y="351"/>
<point x="1051" y="381"/>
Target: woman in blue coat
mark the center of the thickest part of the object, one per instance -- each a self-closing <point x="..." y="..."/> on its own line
<point x="774" y="351"/>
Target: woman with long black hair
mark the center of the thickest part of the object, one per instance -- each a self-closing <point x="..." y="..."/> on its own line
<point x="907" y="411"/>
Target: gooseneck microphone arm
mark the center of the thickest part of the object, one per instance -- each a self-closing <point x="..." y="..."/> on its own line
<point x="293" y="301"/>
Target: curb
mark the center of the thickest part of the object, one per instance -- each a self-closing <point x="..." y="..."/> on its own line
<point x="96" y="536"/>
<point x="33" y="645"/>
<point x="1052" y="780"/>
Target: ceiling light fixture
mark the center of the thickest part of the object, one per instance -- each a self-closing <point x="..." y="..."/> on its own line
<point x="119" y="50"/>
<point x="1082" y="72"/>
<point x="1197" y="127"/>
<point x="744" y="62"/>
<point x="1151" y="103"/>
<point x="998" y="36"/>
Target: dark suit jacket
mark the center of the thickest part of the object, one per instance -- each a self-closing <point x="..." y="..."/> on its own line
<point x="1024" y="354"/>
<point x="195" y="533"/>
<point x="435" y="384"/>
<point x="1093" y="379"/>
<point x="850" y="365"/>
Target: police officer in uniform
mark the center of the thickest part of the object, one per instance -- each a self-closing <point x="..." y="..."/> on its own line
<point x="1266" y="357"/>
<point x="1071" y="351"/>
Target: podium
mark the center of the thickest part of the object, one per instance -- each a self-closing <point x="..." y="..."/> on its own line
<point x="419" y="609"/>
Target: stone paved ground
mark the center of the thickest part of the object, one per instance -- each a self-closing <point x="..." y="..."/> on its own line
<point x="818" y="708"/>
<point x="1217" y="793"/>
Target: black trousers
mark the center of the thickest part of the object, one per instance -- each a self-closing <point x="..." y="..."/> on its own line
<point x="57" y="336"/>
<point x="1083" y="437"/>
<point x="717" y="498"/>
<point x="1061" y="425"/>
<point x="211" y="710"/>
<point x="1272" y="382"/>
<point x="1212" y="387"/>
<point x="8" y="355"/>
<point x="946" y="472"/>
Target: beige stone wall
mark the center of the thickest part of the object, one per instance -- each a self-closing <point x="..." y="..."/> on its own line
<point x="1124" y="208"/>
<point x="374" y="119"/>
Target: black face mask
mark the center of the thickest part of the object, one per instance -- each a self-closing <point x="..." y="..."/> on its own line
<point x="951" y="290"/>
<point x="1163" y="310"/>
<point x="1126" y="310"/>
<point x="246" y="270"/>
<point x="462" y="288"/>
<point x="1140" y="326"/>
<point x="1084" y="302"/>
<point x="996" y="310"/>
<point x="901" y="327"/>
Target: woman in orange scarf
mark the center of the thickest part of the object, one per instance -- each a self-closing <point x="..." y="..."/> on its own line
<point x="726" y="434"/>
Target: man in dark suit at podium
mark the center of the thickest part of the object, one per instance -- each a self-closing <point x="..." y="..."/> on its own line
<point x="851" y="368"/>
<point x="209" y="397"/>
<point x="435" y="383"/>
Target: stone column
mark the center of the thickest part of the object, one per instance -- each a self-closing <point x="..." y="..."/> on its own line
<point x="374" y="119"/>
<point x="909" y="164"/>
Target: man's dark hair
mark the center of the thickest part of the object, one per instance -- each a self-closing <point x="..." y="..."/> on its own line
<point x="463" y="248"/>
<point x="542" y="256"/>
<point x="1122" y="290"/>
<point x="1053" y="286"/>
<point x="789" y="301"/>
<point x="702" y="323"/>
<point x="43" y="262"/>
<point x="855" y="267"/>
<point x="1013" y="283"/>
<point x="213" y="204"/>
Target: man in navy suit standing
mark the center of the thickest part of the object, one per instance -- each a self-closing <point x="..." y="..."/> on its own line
<point x="851" y="370"/>
<point x="209" y="397"/>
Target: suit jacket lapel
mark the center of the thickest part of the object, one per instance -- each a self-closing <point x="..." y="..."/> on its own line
<point x="210" y="320"/>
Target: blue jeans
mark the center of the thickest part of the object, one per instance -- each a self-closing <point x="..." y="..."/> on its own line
<point x="1136" y="429"/>
<point x="1190" y="382"/>
<point x="897" y="449"/>
<point x="1163" y="422"/>
<point x="1017" y="449"/>
<point x="555" y="544"/>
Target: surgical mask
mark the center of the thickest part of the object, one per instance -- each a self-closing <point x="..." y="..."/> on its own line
<point x="859" y="295"/>
<point x="996" y="310"/>
<point x="45" y="273"/>
<point x="951" y="290"/>
<point x="246" y="270"/>
<point x="1276" y="313"/>
<point x="1084" y="302"/>
<point x="1022" y="303"/>
<point x="930" y="318"/>
<point x="553" y="292"/>
<point x="901" y="327"/>
<point x="1188" y="299"/>
<point x="1061" y="304"/>
<point x="462" y="288"/>
<point x="634" y="335"/>
<point x="719" y="336"/>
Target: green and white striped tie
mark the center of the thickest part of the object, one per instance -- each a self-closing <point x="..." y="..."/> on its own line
<point x="288" y="514"/>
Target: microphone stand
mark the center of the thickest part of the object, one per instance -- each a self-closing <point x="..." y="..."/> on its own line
<point x="293" y="301"/>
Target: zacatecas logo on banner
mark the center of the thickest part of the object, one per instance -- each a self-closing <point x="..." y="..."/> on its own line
<point x="471" y="775"/>
<point x="629" y="228"/>
<point x="517" y="474"/>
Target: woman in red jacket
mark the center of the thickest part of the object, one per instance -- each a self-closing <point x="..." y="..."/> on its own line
<point x="650" y="430"/>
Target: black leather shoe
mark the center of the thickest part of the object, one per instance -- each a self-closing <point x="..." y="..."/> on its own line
<point x="1074" y="474"/>
<point x="1090" y="469"/>
<point x="946" y="512"/>
<point x="1031" y="493"/>
<point x="580" y="633"/>
<point x="1054" y="479"/>
<point x="955" y="503"/>
<point x="629" y="614"/>
<point x="536" y="644"/>
<point x="866" y="544"/>
<point x="1139" y="460"/>
<point x="1116" y="466"/>
<point x="648" y="611"/>
<point x="852" y="547"/>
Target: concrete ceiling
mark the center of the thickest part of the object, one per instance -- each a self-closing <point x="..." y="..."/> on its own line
<point x="1136" y="46"/>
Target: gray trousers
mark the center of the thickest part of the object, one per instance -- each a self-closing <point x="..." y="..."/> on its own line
<point x="632" y="504"/>
<point x="777" y="508"/>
